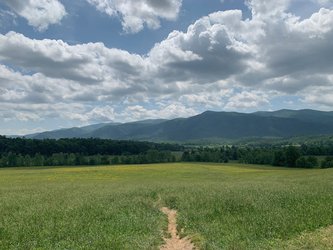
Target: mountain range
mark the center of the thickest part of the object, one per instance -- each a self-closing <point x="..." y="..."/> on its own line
<point x="227" y="125"/>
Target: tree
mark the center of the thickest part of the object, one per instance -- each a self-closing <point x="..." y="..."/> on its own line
<point x="152" y="156"/>
<point x="142" y="159"/>
<point x="59" y="158"/>
<point x="27" y="160"/>
<point x="4" y="161"/>
<point x="49" y="161"/>
<point x="291" y="155"/>
<point x="313" y="161"/>
<point x="105" y="160"/>
<point x="162" y="156"/>
<point x="71" y="159"/>
<point x="78" y="159"/>
<point x="197" y="157"/>
<point x="304" y="149"/>
<point x="98" y="158"/>
<point x="302" y="162"/>
<point x="20" y="160"/>
<point x="38" y="160"/>
<point x="66" y="159"/>
<point x="186" y="156"/>
<point x="279" y="158"/>
<point x="12" y="159"/>
<point x="328" y="162"/>
<point x="92" y="160"/>
<point x="115" y="160"/>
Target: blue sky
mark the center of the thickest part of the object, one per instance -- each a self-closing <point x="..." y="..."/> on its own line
<point x="74" y="63"/>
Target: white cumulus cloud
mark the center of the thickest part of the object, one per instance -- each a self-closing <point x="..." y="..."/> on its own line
<point x="247" y="100"/>
<point x="135" y="13"/>
<point x="39" y="13"/>
<point x="275" y="53"/>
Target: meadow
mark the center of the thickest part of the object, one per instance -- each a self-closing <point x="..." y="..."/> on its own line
<point x="221" y="206"/>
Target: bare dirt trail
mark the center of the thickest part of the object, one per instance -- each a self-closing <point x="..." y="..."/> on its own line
<point x="175" y="243"/>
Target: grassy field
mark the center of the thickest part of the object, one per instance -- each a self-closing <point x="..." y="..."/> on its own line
<point x="223" y="206"/>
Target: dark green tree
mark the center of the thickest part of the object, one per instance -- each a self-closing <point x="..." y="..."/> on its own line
<point x="105" y="160"/>
<point x="4" y="161"/>
<point x="313" y="161"/>
<point x="327" y="163"/>
<point x="27" y="160"/>
<point x="92" y="160"/>
<point x="38" y="160"/>
<point x="115" y="160"/>
<point x="66" y="159"/>
<point x="152" y="156"/>
<point x="279" y="158"/>
<point x="291" y="155"/>
<point x="302" y="162"/>
<point x="12" y="159"/>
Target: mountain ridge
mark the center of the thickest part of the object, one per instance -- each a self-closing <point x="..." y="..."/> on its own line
<point x="209" y="124"/>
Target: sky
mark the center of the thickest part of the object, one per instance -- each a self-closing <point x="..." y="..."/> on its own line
<point x="80" y="62"/>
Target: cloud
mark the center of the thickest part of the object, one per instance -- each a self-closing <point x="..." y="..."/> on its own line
<point x="101" y="114"/>
<point x="247" y="100"/>
<point x="171" y="111"/>
<point x="209" y="100"/>
<point x="53" y="58"/>
<point x="320" y="95"/>
<point x="21" y="116"/>
<point x="206" y="53"/>
<point x="135" y="13"/>
<point x="317" y="25"/>
<point x="263" y="9"/>
<point x="323" y="2"/>
<point x="7" y="18"/>
<point x="39" y="13"/>
<point x="87" y="63"/>
<point x="291" y="55"/>
<point x="21" y="131"/>
<point x="274" y="53"/>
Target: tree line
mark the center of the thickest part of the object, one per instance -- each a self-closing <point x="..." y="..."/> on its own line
<point x="64" y="159"/>
<point x="309" y="140"/>
<point x="88" y="147"/>
<point x="289" y="156"/>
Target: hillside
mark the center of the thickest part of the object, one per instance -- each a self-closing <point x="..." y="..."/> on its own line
<point x="67" y="133"/>
<point x="306" y="115"/>
<point x="227" y="125"/>
<point x="120" y="131"/>
<point x="230" y="126"/>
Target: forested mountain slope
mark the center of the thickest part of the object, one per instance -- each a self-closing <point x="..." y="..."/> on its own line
<point x="306" y="115"/>
<point x="228" y="125"/>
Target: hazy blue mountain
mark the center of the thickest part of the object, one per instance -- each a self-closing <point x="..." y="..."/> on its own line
<point x="28" y="136"/>
<point x="97" y="126"/>
<point x="306" y="115"/>
<point x="97" y="130"/>
<point x="227" y="125"/>
<point x="63" y="133"/>
<point x="120" y="131"/>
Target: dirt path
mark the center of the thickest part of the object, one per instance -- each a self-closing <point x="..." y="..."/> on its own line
<point x="175" y="243"/>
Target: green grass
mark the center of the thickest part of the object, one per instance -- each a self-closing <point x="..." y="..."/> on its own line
<point x="223" y="206"/>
